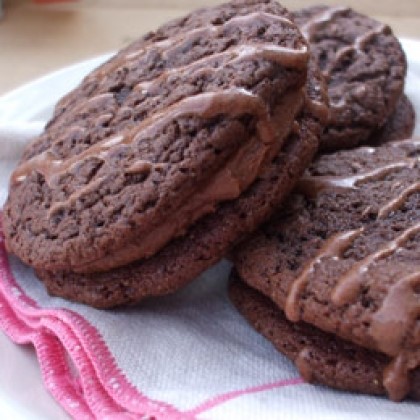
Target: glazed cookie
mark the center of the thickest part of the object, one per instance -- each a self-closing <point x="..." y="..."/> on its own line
<point x="210" y="238"/>
<point x="399" y="126"/>
<point x="365" y="68"/>
<point x="219" y="210"/>
<point x="156" y="138"/>
<point x="343" y="253"/>
<point x="321" y="358"/>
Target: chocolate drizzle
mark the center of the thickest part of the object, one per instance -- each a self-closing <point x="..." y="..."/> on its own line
<point x="312" y="186"/>
<point x="397" y="314"/>
<point x="317" y="108"/>
<point x="286" y="57"/>
<point x="175" y="45"/>
<point x="396" y="379"/>
<point x="398" y="202"/>
<point x="391" y="323"/>
<point x="315" y="22"/>
<point x="333" y="248"/>
<point x="349" y="284"/>
<point x="358" y="46"/>
<point x="326" y="17"/>
<point x="182" y="93"/>
<point x="303" y="364"/>
<point x="205" y="105"/>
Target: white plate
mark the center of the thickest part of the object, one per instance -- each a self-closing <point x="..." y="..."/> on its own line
<point x="22" y="395"/>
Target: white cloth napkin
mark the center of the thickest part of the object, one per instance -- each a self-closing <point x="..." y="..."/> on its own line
<point x="189" y="355"/>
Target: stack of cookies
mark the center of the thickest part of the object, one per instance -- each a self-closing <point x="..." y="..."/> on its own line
<point x="333" y="278"/>
<point x="181" y="146"/>
<point x="167" y="155"/>
<point x="339" y="269"/>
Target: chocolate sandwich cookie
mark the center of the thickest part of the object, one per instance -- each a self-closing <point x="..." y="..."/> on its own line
<point x="365" y="68"/>
<point x="212" y="119"/>
<point x="320" y="357"/>
<point x="400" y="124"/>
<point x="154" y="139"/>
<point x="343" y="253"/>
<point x="210" y="238"/>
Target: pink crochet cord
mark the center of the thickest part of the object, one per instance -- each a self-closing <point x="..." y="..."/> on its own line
<point x="100" y="389"/>
<point x="95" y="387"/>
<point x="222" y="398"/>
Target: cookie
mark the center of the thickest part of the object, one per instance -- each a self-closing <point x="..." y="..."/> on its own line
<point x="343" y="253"/>
<point x="321" y="358"/>
<point x="399" y="126"/>
<point x="208" y="238"/>
<point x="365" y="68"/>
<point x="157" y="138"/>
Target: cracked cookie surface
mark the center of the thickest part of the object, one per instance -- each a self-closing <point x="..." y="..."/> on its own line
<point x="156" y="138"/>
<point x="208" y="238"/>
<point x="321" y="358"/>
<point x="342" y="253"/>
<point x="365" y="68"/>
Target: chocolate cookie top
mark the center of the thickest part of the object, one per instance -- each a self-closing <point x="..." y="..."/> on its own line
<point x="364" y="66"/>
<point x="400" y="124"/>
<point x="210" y="238"/>
<point x="343" y="253"/>
<point x="155" y="138"/>
<point x="320" y="357"/>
